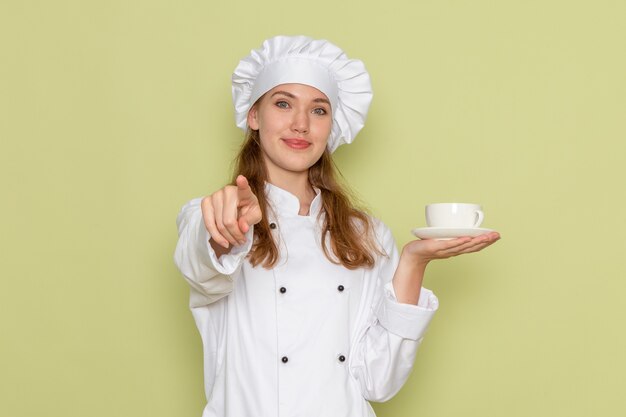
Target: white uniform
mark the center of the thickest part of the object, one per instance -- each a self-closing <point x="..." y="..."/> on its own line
<point x="307" y="338"/>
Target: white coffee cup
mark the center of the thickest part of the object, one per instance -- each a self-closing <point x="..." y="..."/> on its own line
<point x="460" y="215"/>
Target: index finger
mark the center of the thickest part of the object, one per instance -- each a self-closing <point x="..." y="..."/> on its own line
<point x="243" y="188"/>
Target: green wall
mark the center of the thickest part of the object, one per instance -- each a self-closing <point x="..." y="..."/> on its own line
<point x="115" y="113"/>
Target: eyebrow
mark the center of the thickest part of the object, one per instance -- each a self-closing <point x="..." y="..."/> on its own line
<point x="317" y="100"/>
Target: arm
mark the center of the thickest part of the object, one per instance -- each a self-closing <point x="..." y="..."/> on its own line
<point x="384" y="351"/>
<point x="215" y="234"/>
<point x="205" y="271"/>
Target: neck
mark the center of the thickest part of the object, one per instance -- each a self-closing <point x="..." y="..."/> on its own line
<point x="297" y="183"/>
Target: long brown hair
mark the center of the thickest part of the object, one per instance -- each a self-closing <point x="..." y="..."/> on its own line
<point x="350" y="229"/>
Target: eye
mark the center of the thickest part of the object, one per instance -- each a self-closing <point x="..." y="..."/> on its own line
<point x="282" y="104"/>
<point x="320" y="111"/>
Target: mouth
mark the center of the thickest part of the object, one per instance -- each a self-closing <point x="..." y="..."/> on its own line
<point x="297" y="143"/>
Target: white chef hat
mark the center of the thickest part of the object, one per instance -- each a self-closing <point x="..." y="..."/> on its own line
<point x="303" y="60"/>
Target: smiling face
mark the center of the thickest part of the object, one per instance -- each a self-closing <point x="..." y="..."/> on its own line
<point x="294" y="122"/>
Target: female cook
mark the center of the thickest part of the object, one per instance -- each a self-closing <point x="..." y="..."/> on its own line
<point x="304" y="305"/>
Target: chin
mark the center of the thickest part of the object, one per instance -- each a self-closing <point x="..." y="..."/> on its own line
<point x="299" y="164"/>
<point x="298" y="168"/>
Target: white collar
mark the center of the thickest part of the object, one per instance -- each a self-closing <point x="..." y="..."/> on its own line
<point x="287" y="204"/>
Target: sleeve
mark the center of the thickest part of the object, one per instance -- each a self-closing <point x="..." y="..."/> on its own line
<point x="209" y="276"/>
<point x="385" y="349"/>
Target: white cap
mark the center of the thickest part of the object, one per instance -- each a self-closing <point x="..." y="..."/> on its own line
<point x="303" y="60"/>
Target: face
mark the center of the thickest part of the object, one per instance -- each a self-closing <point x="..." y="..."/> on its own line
<point x="294" y="122"/>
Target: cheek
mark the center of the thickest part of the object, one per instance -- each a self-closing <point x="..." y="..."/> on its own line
<point x="322" y="125"/>
<point x="272" y="124"/>
<point x="323" y="128"/>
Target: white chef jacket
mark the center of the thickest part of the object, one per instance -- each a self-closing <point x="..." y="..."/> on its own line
<point x="307" y="338"/>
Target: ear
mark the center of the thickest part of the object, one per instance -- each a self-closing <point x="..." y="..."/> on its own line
<point x="253" y="120"/>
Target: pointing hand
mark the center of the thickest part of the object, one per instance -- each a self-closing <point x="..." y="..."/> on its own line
<point x="229" y="212"/>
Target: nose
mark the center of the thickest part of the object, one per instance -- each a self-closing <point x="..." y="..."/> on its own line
<point x="300" y="122"/>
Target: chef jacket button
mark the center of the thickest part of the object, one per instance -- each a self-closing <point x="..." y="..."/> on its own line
<point x="285" y="359"/>
<point x="272" y="225"/>
<point x="342" y="358"/>
<point x="283" y="290"/>
<point x="340" y="288"/>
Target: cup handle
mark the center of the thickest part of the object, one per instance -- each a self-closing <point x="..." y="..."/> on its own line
<point x="479" y="220"/>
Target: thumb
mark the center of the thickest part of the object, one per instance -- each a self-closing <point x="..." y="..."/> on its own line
<point x="243" y="224"/>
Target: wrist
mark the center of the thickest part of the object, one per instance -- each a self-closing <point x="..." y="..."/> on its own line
<point x="416" y="261"/>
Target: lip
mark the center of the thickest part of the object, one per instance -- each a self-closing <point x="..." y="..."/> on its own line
<point x="296" y="143"/>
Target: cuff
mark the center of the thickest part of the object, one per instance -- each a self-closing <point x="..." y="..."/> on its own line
<point x="229" y="262"/>
<point x="407" y="320"/>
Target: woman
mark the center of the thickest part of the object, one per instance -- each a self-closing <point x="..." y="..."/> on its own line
<point x="303" y="303"/>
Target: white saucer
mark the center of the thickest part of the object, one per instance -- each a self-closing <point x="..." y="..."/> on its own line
<point x="444" y="233"/>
